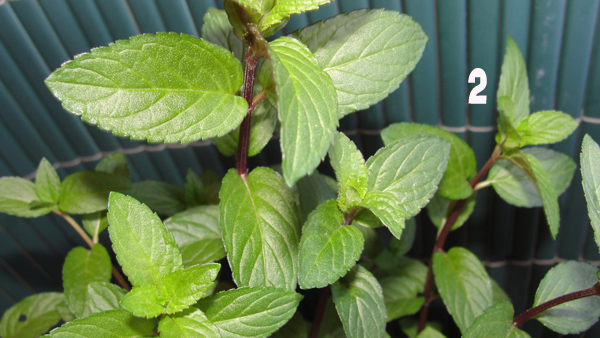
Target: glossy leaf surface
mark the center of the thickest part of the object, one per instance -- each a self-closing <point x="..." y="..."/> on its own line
<point x="328" y="249"/>
<point x="464" y="285"/>
<point x="411" y="169"/>
<point x="359" y="302"/>
<point x="590" y="171"/>
<point x="166" y="87"/>
<point x="367" y="53"/>
<point x="250" y="312"/>
<point x="260" y="229"/>
<point x="306" y="105"/>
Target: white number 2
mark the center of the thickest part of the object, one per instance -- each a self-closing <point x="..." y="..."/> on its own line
<point x="474" y="97"/>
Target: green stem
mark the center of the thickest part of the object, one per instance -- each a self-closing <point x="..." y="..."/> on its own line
<point x="118" y="277"/>
<point x="443" y="234"/>
<point x="592" y="291"/>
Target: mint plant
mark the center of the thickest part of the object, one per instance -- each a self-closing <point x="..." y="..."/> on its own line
<point x="287" y="229"/>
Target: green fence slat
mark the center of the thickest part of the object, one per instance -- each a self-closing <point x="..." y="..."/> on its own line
<point x="65" y="25"/>
<point x="147" y="16"/>
<point x="91" y="22"/>
<point x="452" y="46"/>
<point x="324" y="12"/>
<point x="118" y="18"/>
<point x="14" y="119"/>
<point x="351" y="5"/>
<point x="166" y="167"/>
<point x="575" y="56"/>
<point x="546" y="33"/>
<point x="592" y="99"/>
<point x="40" y="30"/>
<point x="516" y="16"/>
<point x="31" y="63"/>
<point x="424" y="78"/>
<point x="575" y="222"/>
<point x="296" y="22"/>
<point x="15" y="289"/>
<point x="177" y="16"/>
<point x="13" y="153"/>
<point x="198" y="8"/>
<point x="185" y="159"/>
<point x="483" y="20"/>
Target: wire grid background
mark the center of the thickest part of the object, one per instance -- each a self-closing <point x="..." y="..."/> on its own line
<point x="560" y="41"/>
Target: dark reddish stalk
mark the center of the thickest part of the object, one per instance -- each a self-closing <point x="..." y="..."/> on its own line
<point x="247" y="92"/>
<point x="441" y="239"/>
<point x="593" y="291"/>
<point x="316" y="324"/>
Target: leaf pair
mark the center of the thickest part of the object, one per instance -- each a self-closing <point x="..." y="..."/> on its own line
<point x="393" y="184"/>
<point x="152" y="261"/>
<point x="23" y="198"/>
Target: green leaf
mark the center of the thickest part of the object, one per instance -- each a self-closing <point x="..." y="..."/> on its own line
<point x="312" y="191"/>
<point x="548" y="194"/>
<point x="81" y="268"/>
<point x="350" y="170"/>
<point x="296" y="327"/>
<point x="17" y="195"/>
<point x="196" y="232"/>
<point x="514" y="83"/>
<point x="260" y="229"/>
<point x="440" y="207"/>
<point x="411" y="169"/>
<point x="400" y="247"/>
<point x="191" y="323"/>
<point x="172" y="293"/>
<point x="574" y="316"/>
<point x="194" y="191"/>
<point x="499" y="294"/>
<point x="212" y="184"/>
<point x="109" y="324"/>
<point x="328" y="248"/>
<point x="367" y="53"/>
<point x="306" y="106"/>
<point x="166" y="87"/>
<point x="250" y="312"/>
<point x="144" y="301"/>
<point x="284" y="8"/>
<point x="86" y="192"/>
<point x="185" y="286"/>
<point x="430" y="332"/>
<point x="359" y="302"/>
<point x="507" y="135"/>
<point x="47" y="183"/>
<point x="262" y="126"/>
<point x="590" y="171"/>
<point x="114" y="164"/>
<point x="545" y="127"/>
<point x="32" y="316"/>
<point x="95" y="223"/>
<point x="401" y="288"/>
<point x="372" y="243"/>
<point x="386" y="207"/>
<point x="461" y="161"/>
<point x="218" y="30"/>
<point x="103" y="296"/>
<point x="464" y="285"/>
<point x="161" y="197"/>
<point x="515" y="186"/>
<point x="516" y="333"/>
<point x="495" y="321"/>
<point x="145" y="249"/>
